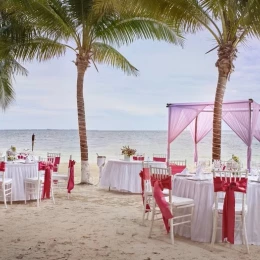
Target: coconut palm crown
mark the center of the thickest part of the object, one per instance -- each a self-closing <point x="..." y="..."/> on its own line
<point x="94" y="29"/>
<point x="230" y="23"/>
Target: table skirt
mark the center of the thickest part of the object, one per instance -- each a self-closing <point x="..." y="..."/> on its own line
<point x="18" y="172"/>
<point x="124" y="175"/>
<point x="202" y="222"/>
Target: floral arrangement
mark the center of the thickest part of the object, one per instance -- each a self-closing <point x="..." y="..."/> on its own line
<point x="126" y="150"/>
<point x="10" y="158"/>
<point x="235" y="158"/>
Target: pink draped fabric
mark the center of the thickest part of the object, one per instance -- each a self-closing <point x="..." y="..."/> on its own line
<point x="243" y="122"/>
<point x="159" y="185"/>
<point x="145" y="175"/>
<point x="2" y="166"/>
<point x="200" y="127"/>
<point x="70" y="185"/>
<point x="159" y="159"/>
<point x="235" y="113"/>
<point x="176" y="168"/>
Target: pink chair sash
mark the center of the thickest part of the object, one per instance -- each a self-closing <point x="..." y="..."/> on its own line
<point x="229" y="186"/>
<point x="138" y="158"/>
<point x="48" y="168"/>
<point x="70" y="185"/>
<point x="159" y="159"/>
<point x="2" y="166"/>
<point x="177" y="168"/>
<point x="159" y="197"/>
<point x="56" y="163"/>
<point x="145" y="175"/>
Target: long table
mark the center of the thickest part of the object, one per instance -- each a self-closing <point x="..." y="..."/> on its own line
<point x="202" y="222"/>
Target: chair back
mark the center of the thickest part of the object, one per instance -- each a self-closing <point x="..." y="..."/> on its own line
<point x="159" y="157"/>
<point x="229" y="177"/>
<point x="177" y="162"/>
<point x="138" y="158"/>
<point x="162" y="175"/>
<point x="177" y="166"/>
<point x="56" y="162"/>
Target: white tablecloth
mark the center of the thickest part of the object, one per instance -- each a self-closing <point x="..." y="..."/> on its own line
<point x="18" y="172"/>
<point x="203" y="195"/>
<point x="124" y="175"/>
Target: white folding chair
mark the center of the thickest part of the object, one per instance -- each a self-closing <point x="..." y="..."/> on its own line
<point x="176" y="204"/>
<point x="240" y="204"/>
<point x="33" y="186"/>
<point x="56" y="162"/>
<point x="159" y="157"/>
<point x="177" y="162"/>
<point x="5" y="185"/>
<point x="61" y="179"/>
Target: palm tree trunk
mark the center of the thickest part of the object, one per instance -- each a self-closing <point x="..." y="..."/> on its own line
<point x="217" y="116"/>
<point x="226" y="56"/>
<point x="82" y="65"/>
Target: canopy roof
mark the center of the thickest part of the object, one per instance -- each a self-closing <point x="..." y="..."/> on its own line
<point x="240" y="116"/>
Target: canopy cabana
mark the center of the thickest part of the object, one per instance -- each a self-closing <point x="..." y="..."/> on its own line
<point x="240" y="116"/>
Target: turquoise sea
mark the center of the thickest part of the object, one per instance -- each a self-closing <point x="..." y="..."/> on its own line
<point x="109" y="143"/>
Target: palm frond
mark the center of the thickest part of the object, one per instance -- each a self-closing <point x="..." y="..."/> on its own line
<point x="115" y="31"/>
<point x="106" y="54"/>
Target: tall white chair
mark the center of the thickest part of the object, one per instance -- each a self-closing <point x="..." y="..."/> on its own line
<point x="176" y="204"/>
<point x="34" y="186"/>
<point x="5" y="185"/>
<point x="61" y="179"/>
<point x="240" y="204"/>
<point x="56" y="160"/>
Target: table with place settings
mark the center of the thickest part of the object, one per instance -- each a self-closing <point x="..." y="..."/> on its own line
<point x="18" y="172"/>
<point x="202" y="192"/>
<point x="124" y="175"/>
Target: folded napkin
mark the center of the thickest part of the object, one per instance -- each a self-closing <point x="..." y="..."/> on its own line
<point x="185" y="171"/>
<point x="199" y="171"/>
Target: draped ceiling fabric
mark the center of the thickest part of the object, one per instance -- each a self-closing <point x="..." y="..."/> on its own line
<point x="240" y="116"/>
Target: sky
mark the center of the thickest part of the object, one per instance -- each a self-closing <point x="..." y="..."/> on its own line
<point x="46" y="98"/>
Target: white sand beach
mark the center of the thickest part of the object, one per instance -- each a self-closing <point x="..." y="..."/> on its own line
<point x="96" y="224"/>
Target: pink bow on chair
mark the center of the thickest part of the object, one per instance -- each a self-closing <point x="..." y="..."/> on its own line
<point x="145" y="175"/>
<point x="47" y="167"/>
<point x="70" y="185"/>
<point x="229" y="186"/>
<point x="2" y="166"/>
<point x="159" y="197"/>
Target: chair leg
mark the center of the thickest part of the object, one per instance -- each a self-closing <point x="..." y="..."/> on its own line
<point x="25" y="192"/>
<point x="144" y="209"/>
<point x="11" y="195"/>
<point x="153" y="214"/>
<point x="52" y="194"/>
<point x="4" y="196"/>
<point x="172" y="231"/>
<point x="245" y="233"/>
<point x="38" y="194"/>
<point x="214" y="231"/>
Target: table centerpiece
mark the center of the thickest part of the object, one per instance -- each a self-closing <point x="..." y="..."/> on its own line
<point x="127" y="152"/>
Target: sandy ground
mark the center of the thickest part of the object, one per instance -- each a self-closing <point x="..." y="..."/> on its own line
<point x="96" y="224"/>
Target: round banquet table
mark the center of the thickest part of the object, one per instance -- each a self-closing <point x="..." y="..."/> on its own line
<point x="202" y="222"/>
<point x="18" y="172"/>
<point x="124" y="175"/>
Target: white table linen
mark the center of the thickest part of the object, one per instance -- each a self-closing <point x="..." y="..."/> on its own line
<point x="18" y="172"/>
<point x="202" y="223"/>
<point x="124" y="175"/>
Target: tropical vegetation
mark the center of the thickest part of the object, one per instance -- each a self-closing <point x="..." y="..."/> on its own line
<point x="93" y="29"/>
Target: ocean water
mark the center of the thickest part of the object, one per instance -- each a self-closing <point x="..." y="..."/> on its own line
<point x="109" y="143"/>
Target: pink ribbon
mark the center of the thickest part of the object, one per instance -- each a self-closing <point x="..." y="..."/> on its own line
<point x="48" y="167"/>
<point x="145" y="175"/>
<point x="159" y="197"/>
<point x="70" y="185"/>
<point x="2" y="166"/>
<point x="229" y="186"/>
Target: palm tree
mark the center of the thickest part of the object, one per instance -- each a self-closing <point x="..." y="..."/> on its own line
<point x="94" y="28"/>
<point x="21" y="39"/>
<point x="230" y="23"/>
